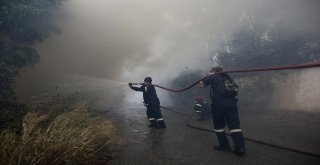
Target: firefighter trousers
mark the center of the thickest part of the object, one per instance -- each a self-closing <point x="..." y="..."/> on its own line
<point x="226" y="112"/>
<point x="154" y="116"/>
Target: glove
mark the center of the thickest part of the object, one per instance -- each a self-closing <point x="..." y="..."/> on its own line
<point x="130" y="84"/>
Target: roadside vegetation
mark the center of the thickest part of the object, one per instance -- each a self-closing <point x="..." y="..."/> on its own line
<point x="54" y="132"/>
<point x="43" y="130"/>
<point x="22" y="25"/>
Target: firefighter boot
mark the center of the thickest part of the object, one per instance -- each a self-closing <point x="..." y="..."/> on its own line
<point x="161" y="123"/>
<point x="153" y="123"/>
<point x="223" y="141"/>
<point x="238" y="143"/>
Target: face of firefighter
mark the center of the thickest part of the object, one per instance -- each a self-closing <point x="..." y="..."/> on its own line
<point x="147" y="83"/>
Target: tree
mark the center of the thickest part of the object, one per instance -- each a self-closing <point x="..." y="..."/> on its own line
<point x="22" y="24"/>
<point x="186" y="78"/>
<point x="262" y="47"/>
<point x="255" y="47"/>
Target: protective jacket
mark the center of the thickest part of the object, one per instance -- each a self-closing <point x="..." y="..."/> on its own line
<point x="149" y="94"/>
<point x="152" y="103"/>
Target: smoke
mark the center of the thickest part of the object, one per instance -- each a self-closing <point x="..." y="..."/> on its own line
<point x="299" y="91"/>
<point x="128" y="40"/>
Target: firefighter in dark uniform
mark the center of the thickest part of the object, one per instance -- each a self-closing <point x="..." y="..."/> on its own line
<point x="152" y="103"/>
<point x="202" y="108"/>
<point x="224" y="111"/>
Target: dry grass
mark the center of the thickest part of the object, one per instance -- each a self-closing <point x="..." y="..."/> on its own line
<point x="75" y="137"/>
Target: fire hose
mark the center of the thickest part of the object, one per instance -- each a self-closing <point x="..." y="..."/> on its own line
<point x="301" y="66"/>
<point x="188" y="123"/>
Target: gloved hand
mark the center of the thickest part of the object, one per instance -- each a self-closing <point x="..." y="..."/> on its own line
<point x="130" y="84"/>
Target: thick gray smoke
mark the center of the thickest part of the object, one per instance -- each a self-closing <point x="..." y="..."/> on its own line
<point x="299" y="91"/>
<point x="127" y="40"/>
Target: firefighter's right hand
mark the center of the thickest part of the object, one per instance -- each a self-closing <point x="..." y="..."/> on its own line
<point x="130" y="84"/>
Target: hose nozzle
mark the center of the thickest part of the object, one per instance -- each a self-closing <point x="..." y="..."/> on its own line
<point x="140" y="83"/>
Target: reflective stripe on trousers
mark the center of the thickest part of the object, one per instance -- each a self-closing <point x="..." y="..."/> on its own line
<point x="160" y="119"/>
<point x="235" y="130"/>
<point x="219" y="130"/>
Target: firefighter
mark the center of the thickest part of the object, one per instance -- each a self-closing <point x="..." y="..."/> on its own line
<point x="202" y="108"/>
<point x="152" y="103"/>
<point x="224" y="111"/>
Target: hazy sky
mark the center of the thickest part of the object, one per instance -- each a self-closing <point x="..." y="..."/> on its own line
<point x="130" y="39"/>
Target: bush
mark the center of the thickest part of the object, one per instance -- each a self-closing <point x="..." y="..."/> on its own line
<point x="183" y="80"/>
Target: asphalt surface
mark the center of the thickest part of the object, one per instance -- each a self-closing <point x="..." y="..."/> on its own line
<point x="180" y="144"/>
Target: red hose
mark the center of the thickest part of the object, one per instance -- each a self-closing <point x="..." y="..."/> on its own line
<point x="301" y="66"/>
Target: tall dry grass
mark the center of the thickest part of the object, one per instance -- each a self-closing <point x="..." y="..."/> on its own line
<point x="74" y="137"/>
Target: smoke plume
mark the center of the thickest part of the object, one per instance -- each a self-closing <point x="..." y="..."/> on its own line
<point x="128" y="40"/>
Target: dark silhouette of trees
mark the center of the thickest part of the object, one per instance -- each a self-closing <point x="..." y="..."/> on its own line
<point x="186" y="78"/>
<point x="22" y="24"/>
<point x="261" y="47"/>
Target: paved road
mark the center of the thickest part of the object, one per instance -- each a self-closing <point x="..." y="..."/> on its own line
<point x="179" y="144"/>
